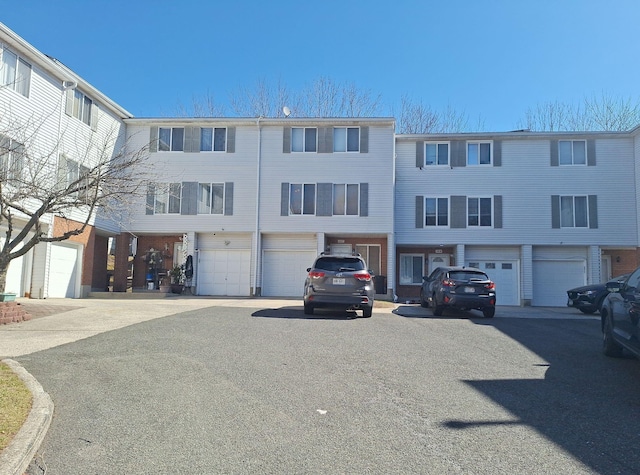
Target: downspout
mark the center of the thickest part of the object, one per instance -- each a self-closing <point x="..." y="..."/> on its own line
<point x="257" y="238"/>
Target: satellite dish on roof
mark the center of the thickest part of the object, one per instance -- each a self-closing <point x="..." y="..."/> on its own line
<point x="286" y="111"/>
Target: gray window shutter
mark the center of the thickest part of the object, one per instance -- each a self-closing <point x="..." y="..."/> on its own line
<point x="68" y="106"/>
<point x="189" y="201"/>
<point x="497" y="153"/>
<point x="151" y="192"/>
<point x="458" y="211"/>
<point x="593" y="211"/>
<point x="284" y="198"/>
<point x="497" y="211"/>
<point x="555" y="211"/>
<point x="286" y="141"/>
<point x="364" y="199"/>
<point x="591" y="153"/>
<point x="324" y="206"/>
<point x="228" y="199"/>
<point x="231" y="140"/>
<point x="420" y="212"/>
<point x="93" y="120"/>
<point x="364" y="139"/>
<point x="153" y="140"/>
<point x="458" y="153"/>
<point x="554" y="154"/>
<point x="420" y="154"/>
<point x="325" y="140"/>
<point x="188" y="140"/>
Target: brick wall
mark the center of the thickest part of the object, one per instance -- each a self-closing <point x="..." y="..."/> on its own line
<point x="12" y="312"/>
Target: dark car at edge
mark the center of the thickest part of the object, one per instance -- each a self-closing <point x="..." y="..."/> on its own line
<point x="461" y="288"/>
<point x="620" y="317"/>
<point x="588" y="298"/>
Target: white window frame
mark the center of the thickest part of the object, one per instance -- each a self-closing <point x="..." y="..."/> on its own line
<point x="479" y="213"/>
<point x="172" y="145"/>
<point x="404" y="275"/>
<point x="478" y="144"/>
<point x="167" y="192"/>
<point x="564" y="160"/>
<point x="345" y="131"/>
<point x="208" y="208"/>
<point x="15" y="82"/>
<point x="304" y="140"/>
<point x="365" y="251"/>
<point x="82" y="106"/>
<point x="346" y="209"/>
<point x="305" y="189"/>
<point x="12" y="159"/>
<point x="437" y="215"/>
<point x="437" y="146"/>
<point x="568" y="206"/>
<point x="213" y="147"/>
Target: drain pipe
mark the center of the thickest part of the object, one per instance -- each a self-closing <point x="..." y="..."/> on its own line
<point x="256" y="235"/>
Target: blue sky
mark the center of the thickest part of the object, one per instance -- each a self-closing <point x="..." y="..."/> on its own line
<point x="488" y="59"/>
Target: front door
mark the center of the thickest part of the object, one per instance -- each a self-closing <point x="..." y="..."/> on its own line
<point x="437" y="260"/>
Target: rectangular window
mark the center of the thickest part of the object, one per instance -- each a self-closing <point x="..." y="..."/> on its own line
<point x="167" y="198"/>
<point x="346" y="199"/>
<point x="436" y="153"/>
<point x="171" y="139"/>
<point x="213" y="139"/>
<point x="82" y="107"/>
<point x="12" y="159"/>
<point x="478" y="153"/>
<point x="302" y="198"/>
<point x="411" y="269"/>
<point x="572" y="152"/>
<point x="346" y="139"/>
<point x="304" y="139"/>
<point x="211" y="198"/>
<point x="15" y="73"/>
<point x="574" y="212"/>
<point x="479" y="212"/>
<point x="436" y="211"/>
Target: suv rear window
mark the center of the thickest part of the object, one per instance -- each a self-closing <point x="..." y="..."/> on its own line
<point x="336" y="264"/>
<point x="467" y="276"/>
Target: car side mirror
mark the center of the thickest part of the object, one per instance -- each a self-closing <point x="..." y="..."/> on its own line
<point x="613" y="287"/>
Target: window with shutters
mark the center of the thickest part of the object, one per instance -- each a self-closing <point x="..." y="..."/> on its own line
<point x="210" y="198"/>
<point x="164" y="198"/>
<point x="170" y="139"/>
<point x="81" y="107"/>
<point x="213" y="139"/>
<point x="304" y="139"/>
<point x="574" y="212"/>
<point x="479" y="212"/>
<point x="346" y="139"/>
<point x="436" y="211"/>
<point x="436" y="153"/>
<point x="572" y="152"/>
<point x="12" y="160"/>
<point x="15" y="72"/>
<point x="478" y="153"/>
<point x="346" y="199"/>
<point x="302" y="198"/>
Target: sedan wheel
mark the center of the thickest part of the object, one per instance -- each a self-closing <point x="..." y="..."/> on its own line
<point x="423" y="301"/>
<point x="437" y="309"/>
<point x="489" y="312"/>
<point x="308" y="309"/>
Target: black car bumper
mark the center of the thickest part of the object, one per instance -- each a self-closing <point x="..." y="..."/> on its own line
<point x="464" y="302"/>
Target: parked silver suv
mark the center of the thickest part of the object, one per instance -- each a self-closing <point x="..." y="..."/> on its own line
<point x="339" y="281"/>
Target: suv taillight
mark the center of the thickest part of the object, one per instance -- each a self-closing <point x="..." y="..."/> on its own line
<point x="490" y="286"/>
<point x="363" y="276"/>
<point x="314" y="274"/>
<point x="449" y="283"/>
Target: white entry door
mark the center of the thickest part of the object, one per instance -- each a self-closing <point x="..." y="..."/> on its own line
<point x="63" y="272"/>
<point x="437" y="260"/>
<point x="226" y="273"/>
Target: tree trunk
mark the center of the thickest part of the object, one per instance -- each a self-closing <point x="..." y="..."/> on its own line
<point x="4" y="268"/>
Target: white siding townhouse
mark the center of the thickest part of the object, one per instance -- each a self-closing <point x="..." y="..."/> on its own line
<point x="539" y="212"/>
<point x="48" y="111"/>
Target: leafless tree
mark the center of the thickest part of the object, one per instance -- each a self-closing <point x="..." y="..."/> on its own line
<point x="201" y="106"/>
<point x="37" y="183"/>
<point x="420" y="118"/>
<point x="598" y="113"/>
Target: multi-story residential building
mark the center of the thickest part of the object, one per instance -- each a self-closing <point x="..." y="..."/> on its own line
<point x="254" y="200"/>
<point x="59" y="121"/>
<point x="539" y="212"/>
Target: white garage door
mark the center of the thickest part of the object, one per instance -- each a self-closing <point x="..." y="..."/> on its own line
<point x="63" y="273"/>
<point x="552" y="279"/>
<point x="505" y="275"/>
<point x="284" y="272"/>
<point x="224" y="273"/>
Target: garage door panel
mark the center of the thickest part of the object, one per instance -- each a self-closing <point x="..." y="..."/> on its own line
<point x="505" y="275"/>
<point x="226" y="273"/>
<point x="552" y="279"/>
<point x="284" y="272"/>
<point x="63" y="272"/>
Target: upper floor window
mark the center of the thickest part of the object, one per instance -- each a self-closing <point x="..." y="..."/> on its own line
<point x="12" y="155"/>
<point x="82" y="107"/>
<point x="479" y="211"/>
<point x="304" y="139"/>
<point x="574" y="212"/>
<point x="77" y="176"/>
<point x="211" y="198"/>
<point x="346" y="139"/>
<point x="171" y="139"/>
<point x="213" y="139"/>
<point x="436" y="153"/>
<point x="164" y="198"/>
<point x="478" y="153"/>
<point x="345" y="199"/>
<point x="572" y="152"/>
<point x="436" y="211"/>
<point x="302" y="198"/>
<point x="15" y="72"/>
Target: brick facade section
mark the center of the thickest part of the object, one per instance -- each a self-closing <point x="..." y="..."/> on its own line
<point x="164" y="244"/>
<point x="623" y="261"/>
<point x="12" y="312"/>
